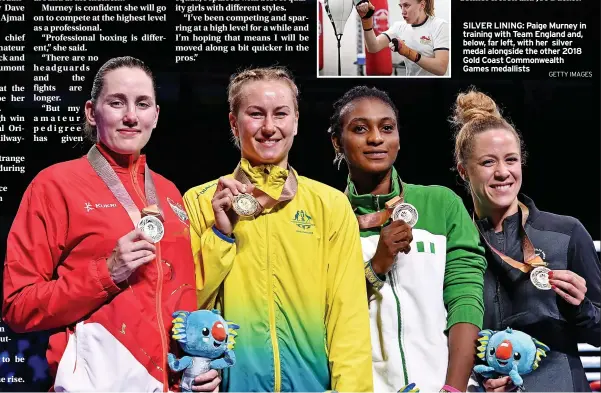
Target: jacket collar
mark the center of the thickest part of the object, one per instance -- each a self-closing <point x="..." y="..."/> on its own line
<point x="369" y="203"/>
<point x="534" y="212"/>
<point x="268" y="178"/>
<point x="515" y="219"/>
<point x="122" y="163"/>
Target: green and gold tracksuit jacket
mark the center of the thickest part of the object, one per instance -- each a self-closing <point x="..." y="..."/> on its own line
<point x="293" y="279"/>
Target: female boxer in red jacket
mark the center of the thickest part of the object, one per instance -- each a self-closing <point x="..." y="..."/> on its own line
<point x="99" y="251"/>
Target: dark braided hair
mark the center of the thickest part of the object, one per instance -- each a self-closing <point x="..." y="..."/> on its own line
<point x="354" y="94"/>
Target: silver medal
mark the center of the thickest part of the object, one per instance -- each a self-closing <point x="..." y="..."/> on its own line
<point x="153" y="227"/>
<point x="405" y="212"/>
<point x="245" y="205"/>
<point x="540" y="278"/>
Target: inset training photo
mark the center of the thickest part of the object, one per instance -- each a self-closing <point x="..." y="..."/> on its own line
<point x="398" y="38"/>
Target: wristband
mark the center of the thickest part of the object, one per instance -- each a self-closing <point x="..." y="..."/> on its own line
<point x="372" y="277"/>
<point x="449" y="389"/>
<point x="367" y="24"/>
<point x="404" y="50"/>
<point x="411" y="54"/>
<point x="371" y="28"/>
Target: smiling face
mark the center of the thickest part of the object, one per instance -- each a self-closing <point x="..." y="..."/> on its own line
<point x="412" y="10"/>
<point x="369" y="137"/>
<point x="266" y="122"/>
<point x="494" y="170"/>
<point x="125" y="112"/>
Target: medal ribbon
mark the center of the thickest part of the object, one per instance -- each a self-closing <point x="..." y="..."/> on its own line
<point x="531" y="260"/>
<point x="265" y="201"/>
<point x="110" y="178"/>
<point x="377" y="219"/>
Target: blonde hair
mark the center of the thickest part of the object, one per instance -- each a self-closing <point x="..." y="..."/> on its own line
<point x="237" y="82"/>
<point x="429" y="7"/>
<point x="475" y="113"/>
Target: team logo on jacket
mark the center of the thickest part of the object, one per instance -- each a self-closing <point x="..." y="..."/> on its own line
<point x="179" y="211"/>
<point x="425" y="40"/>
<point x="304" y="221"/>
<point x="207" y="188"/>
<point x="89" y="206"/>
<point x="540" y="253"/>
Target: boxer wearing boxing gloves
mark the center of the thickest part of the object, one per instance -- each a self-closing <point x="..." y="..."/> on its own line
<point x="421" y="38"/>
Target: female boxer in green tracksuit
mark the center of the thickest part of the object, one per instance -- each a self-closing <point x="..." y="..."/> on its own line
<point x="424" y="277"/>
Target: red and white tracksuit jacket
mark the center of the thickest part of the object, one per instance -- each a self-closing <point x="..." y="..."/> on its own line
<point x="104" y="337"/>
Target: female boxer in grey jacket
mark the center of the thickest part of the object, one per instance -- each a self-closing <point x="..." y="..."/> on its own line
<point x="489" y="155"/>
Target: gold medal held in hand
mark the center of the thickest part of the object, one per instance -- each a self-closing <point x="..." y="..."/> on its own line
<point x="245" y="205"/>
<point x="153" y="227"/>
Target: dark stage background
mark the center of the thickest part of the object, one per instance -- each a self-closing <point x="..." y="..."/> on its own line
<point x="559" y="119"/>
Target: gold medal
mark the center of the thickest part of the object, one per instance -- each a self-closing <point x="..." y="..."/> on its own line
<point x="245" y="205"/>
<point x="153" y="227"/>
<point x="405" y="212"/>
<point x="540" y="278"/>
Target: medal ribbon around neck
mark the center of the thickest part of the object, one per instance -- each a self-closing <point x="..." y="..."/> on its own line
<point x="379" y="218"/>
<point x="265" y="201"/>
<point x="531" y="260"/>
<point x="110" y="178"/>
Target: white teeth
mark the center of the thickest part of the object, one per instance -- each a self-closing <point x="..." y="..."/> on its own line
<point x="501" y="188"/>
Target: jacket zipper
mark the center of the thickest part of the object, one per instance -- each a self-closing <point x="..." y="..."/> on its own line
<point x="134" y="178"/>
<point x="400" y="328"/>
<point x="274" y="339"/>
<point x="160" y="316"/>
<point x="498" y="287"/>
<point x="158" y="258"/>
<point x="500" y="318"/>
